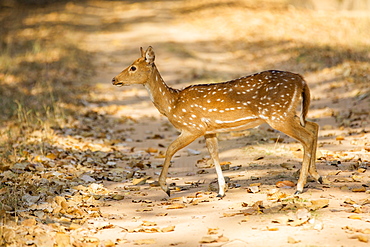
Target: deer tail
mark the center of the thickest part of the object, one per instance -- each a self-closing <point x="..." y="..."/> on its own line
<point x="305" y="103"/>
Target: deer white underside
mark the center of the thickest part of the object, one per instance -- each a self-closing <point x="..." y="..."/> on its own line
<point x="249" y="125"/>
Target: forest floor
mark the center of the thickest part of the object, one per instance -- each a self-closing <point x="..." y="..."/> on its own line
<point x="80" y="158"/>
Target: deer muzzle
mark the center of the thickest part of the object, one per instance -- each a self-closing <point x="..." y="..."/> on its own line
<point x="116" y="82"/>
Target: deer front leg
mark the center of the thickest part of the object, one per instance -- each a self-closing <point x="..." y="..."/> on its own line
<point x="184" y="139"/>
<point x="212" y="145"/>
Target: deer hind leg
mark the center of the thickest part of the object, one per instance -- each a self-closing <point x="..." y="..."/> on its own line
<point x="184" y="139"/>
<point x="314" y="129"/>
<point x="212" y="145"/>
<point x="307" y="136"/>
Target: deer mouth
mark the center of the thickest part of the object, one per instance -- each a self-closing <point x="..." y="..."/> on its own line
<point x="118" y="84"/>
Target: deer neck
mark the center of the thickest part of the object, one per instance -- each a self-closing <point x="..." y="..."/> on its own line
<point x="160" y="93"/>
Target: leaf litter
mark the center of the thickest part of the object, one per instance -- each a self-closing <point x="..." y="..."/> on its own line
<point x="75" y="194"/>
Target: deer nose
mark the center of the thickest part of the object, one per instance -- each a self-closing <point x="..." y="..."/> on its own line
<point x="114" y="80"/>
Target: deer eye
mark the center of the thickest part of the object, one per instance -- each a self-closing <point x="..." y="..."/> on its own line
<point x="132" y="68"/>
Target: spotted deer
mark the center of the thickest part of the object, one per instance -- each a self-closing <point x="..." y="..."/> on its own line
<point x="207" y="109"/>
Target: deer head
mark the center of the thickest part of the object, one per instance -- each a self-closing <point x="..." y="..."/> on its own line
<point x="138" y="72"/>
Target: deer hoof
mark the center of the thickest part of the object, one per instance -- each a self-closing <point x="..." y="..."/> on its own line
<point x="164" y="187"/>
<point x="298" y="192"/>
<point x="168" y="192"/>
<point x="221" y="196"/>
<point x="320" y="180"/>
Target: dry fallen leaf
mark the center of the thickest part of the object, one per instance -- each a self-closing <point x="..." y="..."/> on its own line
<point x="176" y="206"/>
<point x="253" y="189"/>
<point x="361" y="238"/>
<point x="212" y="231"/>
<point x="361" y="170"/>
<point x="317" y="225"/>
<point x="74" y="226"/>
<point x="276" y="195"/>
<point x="29" y="222"/>
<point x="359" y="189"/>
<point x="288" y="166"/>
<point x="62" y="239"/>
<point x="360" y="230"/>
<point x="301" y="217"/>
<point x="285" y="184"/>
<point x="355" y="217"/>
<point x="144" y="241"/>
<point x="150" y="230"/>
<point x="148" y="223"/>
<point x="139" y="181"/>
<point x="51" y="156"/>
<point x="303" y="214"/>
<point x="357" y="178"/>
<point x="145" y="230"/>
<point x="213" y="239"/>
<point x="8" y="234"/>
<point x="350" y="201"/>
<point x="222" y="238"/>
<point x="168" y="229"/>
<point x="86" y="242"/>
<point x="108" y="243"/>
<point x="154" y="184"/>
<point x="292" y="241"/>
<point x="162" y="214"/>
<point x="320" y="203"/>
<point x="339" y="138"/>
<point x="208" y="239"/>
<point x="297" y="222"/>
<point x="146" y="209"/>
<point x="151" y="150"/>
<point x="366" y="201"/>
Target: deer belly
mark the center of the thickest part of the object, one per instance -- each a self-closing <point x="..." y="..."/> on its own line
<point x="219" y="125"/>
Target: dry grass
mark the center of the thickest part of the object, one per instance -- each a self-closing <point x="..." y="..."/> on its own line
<point x="43" y="74"/>
<point x="42" y="81"/>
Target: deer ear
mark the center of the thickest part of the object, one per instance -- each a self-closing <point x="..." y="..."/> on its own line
<point x="142" y="52"/>
<point x="149" y="55"/>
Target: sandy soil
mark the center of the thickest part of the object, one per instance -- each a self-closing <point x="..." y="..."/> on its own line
<point x="194" y="43"/>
